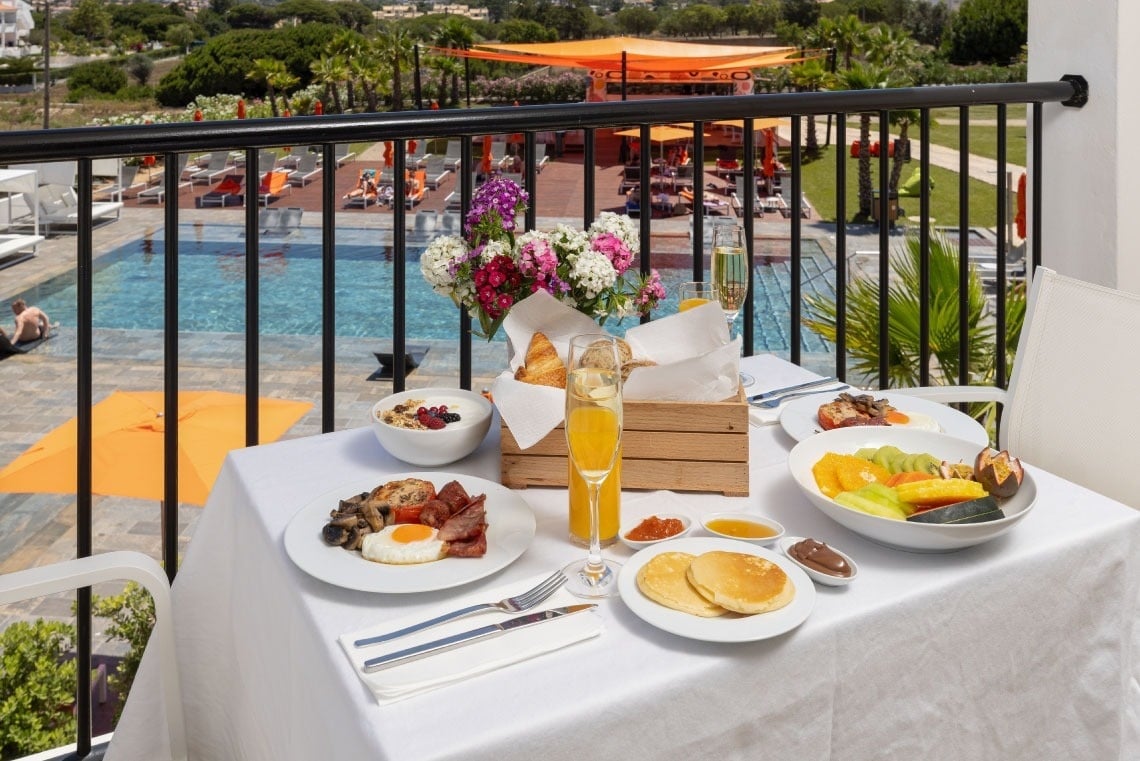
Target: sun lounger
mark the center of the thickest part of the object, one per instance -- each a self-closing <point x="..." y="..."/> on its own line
<point x="366" y="193"/>
<point x="415" y="189"/>
<point x="419" y="158"/>
<point x="435" y="173"/>
<point x="228" y="192"/>
<point x="17" y="248"/>
<point x="218" y="166"/>
<point x="279" y="220"/>
<point x="426" y="222"/>
<point x="344" y="154"/>
<point x="540" y="157"/>
<point x="453" y="158"/>
<point x="274" y="184"/>
<point x="126" y="181"/>
<point x="738" y="197"/>
<point x="306" y="170"/>
<point x="60" y="207"/>
<point x="453" y="202"/>
<point x="158" y="192"/>
<point x="450" y="223"/>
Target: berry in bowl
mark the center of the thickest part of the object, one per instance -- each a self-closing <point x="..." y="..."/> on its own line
<point x="431" y="426"/>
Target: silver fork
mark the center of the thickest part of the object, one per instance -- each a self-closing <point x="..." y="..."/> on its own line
<point x="516" y="604"/>
<point x="770" y="403"/>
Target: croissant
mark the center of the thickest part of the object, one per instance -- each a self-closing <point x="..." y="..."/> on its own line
<point x="543" y="366"/>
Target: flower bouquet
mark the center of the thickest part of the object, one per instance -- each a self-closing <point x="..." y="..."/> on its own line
<point x="495" y="265"/>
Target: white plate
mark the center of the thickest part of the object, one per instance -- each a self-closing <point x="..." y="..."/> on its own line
<point x="510" y="529"/>
<point x="798" y="417"/>
<point x="906" y="535"/>
<point x="730" y="627"/>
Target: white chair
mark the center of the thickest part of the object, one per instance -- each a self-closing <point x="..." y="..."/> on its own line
<point x="1071" y="405"/>
<point x="115" y="566"/>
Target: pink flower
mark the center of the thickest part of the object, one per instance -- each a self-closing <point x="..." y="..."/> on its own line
<point x="615" y="250"/>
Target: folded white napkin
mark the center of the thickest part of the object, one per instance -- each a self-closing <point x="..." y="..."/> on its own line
<point x="415" y="677"/>
<point x="771" y="373"/>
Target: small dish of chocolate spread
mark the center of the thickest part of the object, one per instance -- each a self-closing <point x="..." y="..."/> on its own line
<point x="823" y="563"/>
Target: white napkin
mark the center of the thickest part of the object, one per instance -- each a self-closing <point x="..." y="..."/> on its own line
<point x="415" y="677"/>
<point x="771" y="373"/>
<point x="695" y="361"/>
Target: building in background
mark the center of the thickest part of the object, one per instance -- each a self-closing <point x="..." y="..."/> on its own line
<point x="15" y="24"/>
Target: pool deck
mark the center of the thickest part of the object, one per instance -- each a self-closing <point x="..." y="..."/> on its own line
<point x="38" y="393"/>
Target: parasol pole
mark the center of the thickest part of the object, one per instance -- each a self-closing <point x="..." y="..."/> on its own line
<point x="624" y="75"/>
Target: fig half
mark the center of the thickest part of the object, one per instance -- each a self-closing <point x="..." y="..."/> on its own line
<point x="999" y="473"/>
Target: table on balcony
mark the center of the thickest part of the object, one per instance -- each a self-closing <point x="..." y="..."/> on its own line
<point x="1022" y="648"/>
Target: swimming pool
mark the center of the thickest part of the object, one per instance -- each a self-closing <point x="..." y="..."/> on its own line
<point x="128" y="288"/>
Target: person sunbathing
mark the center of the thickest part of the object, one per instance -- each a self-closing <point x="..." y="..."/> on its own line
<point x="31" y="322"/>
<point x="365" y="185"/>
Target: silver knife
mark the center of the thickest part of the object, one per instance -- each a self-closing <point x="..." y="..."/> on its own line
<point x="786" y="389"/>
<point x="467" y="637"/>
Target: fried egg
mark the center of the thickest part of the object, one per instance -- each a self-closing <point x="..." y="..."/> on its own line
<point x="913" y="420"/>
<point x="403" y="544"/>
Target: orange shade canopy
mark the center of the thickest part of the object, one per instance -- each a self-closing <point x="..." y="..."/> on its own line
<point x="128" y="435"/>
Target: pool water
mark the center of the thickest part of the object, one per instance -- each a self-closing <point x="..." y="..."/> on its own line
<point x="129" y="282"/>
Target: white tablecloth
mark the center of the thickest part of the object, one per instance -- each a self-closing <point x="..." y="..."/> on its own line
<point x="1022" y="648"/>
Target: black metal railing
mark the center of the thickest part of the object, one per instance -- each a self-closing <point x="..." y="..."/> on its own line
<point x="170" y="140"/>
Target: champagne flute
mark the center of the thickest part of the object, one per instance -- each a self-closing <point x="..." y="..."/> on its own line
<point x="695" y="293"/>
<point x="593" y="439"/>
<point x="730" y="276"/>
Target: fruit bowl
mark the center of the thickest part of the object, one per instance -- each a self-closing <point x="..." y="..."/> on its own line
<point x="429" y="448"/>
<point x="905" y="535"/>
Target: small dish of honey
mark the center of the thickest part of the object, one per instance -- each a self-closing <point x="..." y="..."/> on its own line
<point x="755" y="529"/>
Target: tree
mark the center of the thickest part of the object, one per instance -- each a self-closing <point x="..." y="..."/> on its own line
<point x="180" y="36"/>
<point x="329" y="72"/>
<point x="395" y="49"/>
<point x="454" y="34"/>
<point x="307" y="11"/>
<point x="988" y="31"/>
<point x="352" y="15"/>
<point x="251" y="16"/>
<point x="804" y="13"/>
<point x="140" y="67"/>
<point x="636" y="21"/>
<point x="275" y="76"/>
<point x="810" y="76"/>
<point x="860" y="77"/>
<point x="518" y="31"/>
<point x="347" y="45"/>
<point x="89" y="20"/>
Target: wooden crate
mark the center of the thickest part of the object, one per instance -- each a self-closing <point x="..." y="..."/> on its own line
<point x="684" y="446"/>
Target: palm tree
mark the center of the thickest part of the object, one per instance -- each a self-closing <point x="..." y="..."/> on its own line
<point x="449" y="69"/>
<point x="373" y="76"/>
<point x="455" y="34"/>
<point x="348" y="46"/>
<point x="903" y="334"/>
<point x="861" y="77"/>
<point x="330" y="71"/>
<point x="276" y="77"/>
<point x="811" y="76"/>
<point x="847" y="36"/>
<point x="395" y="47"/>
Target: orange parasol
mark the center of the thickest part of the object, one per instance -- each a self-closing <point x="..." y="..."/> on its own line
<point x="198" y="115"/>
<point x="241" y="108"/>
<point x="128" y="435"/>
<point x="770" y="152"/>
<point x="387" y="153"/>
<point x="318" y="108"/>
<point x="486" y="165"/>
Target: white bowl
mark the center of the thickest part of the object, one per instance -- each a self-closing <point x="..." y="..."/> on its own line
<point x="428" y="448"/>
<point x="633" y="544"/>
<point x="760" y="520"/>
<point x="916" y="537"/>
<point x="817" y="576"/>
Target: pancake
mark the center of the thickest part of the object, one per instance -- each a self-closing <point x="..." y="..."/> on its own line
<point x="741" y="583"/>
<point x="663" y="580"/>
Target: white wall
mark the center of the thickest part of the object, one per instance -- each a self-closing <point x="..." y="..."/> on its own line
<point x="1091" y="173"/>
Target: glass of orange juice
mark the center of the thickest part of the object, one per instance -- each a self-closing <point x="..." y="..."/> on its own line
<point x="695" y="293"/>
<point x="609" y="507"/>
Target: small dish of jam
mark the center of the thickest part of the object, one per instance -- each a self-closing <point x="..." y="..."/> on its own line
<point x="660" y="527"/>
<point x="822" y="562"/>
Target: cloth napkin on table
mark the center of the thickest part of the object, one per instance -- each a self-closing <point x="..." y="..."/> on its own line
<point x="771" y="373"/>
<point x="415" y="677"/>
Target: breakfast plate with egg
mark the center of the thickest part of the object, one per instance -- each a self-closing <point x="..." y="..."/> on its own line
<point x="408" y="557"/>
<point x="681" y="586"/>
<point x="800" y="417"/>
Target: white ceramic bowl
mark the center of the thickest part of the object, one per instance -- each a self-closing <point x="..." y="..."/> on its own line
<point x="819" y="577"/>
<point x="435" y="447"/>
<point x="686" y="523"/>
<point x="917" y="537"/>
<point x="760" y="520"/>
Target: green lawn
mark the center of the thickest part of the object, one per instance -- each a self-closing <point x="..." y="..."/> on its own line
<point x="819" y="186"/>
<point x="983" y="137"/>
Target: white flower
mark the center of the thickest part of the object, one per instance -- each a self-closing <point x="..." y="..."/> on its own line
<point x="592" y="272"/>
<point x="495" y="248"/>
<point x="437" y="262"/>
<point x="625" y="228"/>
